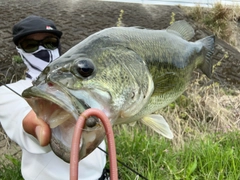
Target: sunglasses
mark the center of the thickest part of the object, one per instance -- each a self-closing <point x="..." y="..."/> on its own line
<point x="31" y="45"/>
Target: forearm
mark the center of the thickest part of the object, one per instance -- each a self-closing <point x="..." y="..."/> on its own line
<point x="13" y="109"/>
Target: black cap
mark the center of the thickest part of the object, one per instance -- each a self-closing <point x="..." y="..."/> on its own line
<point x="34" y="24"/>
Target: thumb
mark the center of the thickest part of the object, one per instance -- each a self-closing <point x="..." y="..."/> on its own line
<point x="37" y="128"/>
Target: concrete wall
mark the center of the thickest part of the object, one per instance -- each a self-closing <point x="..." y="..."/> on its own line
<point x="204" y="3"/>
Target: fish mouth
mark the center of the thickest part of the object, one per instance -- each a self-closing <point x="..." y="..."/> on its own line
<point x="60" y="110"/>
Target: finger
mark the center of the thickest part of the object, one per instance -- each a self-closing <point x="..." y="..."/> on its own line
<point x="37" y="127"/>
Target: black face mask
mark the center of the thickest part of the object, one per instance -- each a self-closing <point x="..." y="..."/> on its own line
<point x="44" y="55"/>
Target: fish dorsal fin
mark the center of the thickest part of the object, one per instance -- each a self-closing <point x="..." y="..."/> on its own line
<point x="139" y="27"/>
<point x="158" y="124"/>
<point x="182" y="28"/>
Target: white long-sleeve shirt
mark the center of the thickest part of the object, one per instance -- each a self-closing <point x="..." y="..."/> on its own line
<point x="40" y="163"/>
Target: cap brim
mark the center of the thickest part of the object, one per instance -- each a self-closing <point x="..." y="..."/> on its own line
<point x="55" y="32"/>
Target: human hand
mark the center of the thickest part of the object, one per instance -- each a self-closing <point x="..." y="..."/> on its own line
<point x="37" y="127"/>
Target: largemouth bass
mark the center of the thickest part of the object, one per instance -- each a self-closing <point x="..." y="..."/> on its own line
<point x="127" y="72"/>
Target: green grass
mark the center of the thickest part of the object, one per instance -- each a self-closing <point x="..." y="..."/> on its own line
<point x="211" y="157"/>
<point x="203" y="158"/>
<point x="10" y="168"/>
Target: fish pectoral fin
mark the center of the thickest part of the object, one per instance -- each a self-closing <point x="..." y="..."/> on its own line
<point x="158" y="124"/>
<point x="182" y="28"/>
<point x="132" y="123"/>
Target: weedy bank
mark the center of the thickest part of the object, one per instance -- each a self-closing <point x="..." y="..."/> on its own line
<point x="221" y="19"/>
<point x="205" y="121"/>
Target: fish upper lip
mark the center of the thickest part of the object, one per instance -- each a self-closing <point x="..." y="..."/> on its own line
<point x="54" y="94"/>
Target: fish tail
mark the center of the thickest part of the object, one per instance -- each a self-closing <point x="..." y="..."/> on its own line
<point x="208" y="43"/>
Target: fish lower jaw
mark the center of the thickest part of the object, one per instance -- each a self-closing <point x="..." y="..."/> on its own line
<point x="61" y="118"/>
<point x="61" y="150"/>
<point x="62" y="124"/>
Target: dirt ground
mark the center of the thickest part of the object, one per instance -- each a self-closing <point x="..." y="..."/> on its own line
<point x="78" y="19"/>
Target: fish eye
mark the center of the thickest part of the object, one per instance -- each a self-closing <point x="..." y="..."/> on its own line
<point x="84" y="68"/>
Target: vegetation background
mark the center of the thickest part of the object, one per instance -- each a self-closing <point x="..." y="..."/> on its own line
<point x="205" y="119"/>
